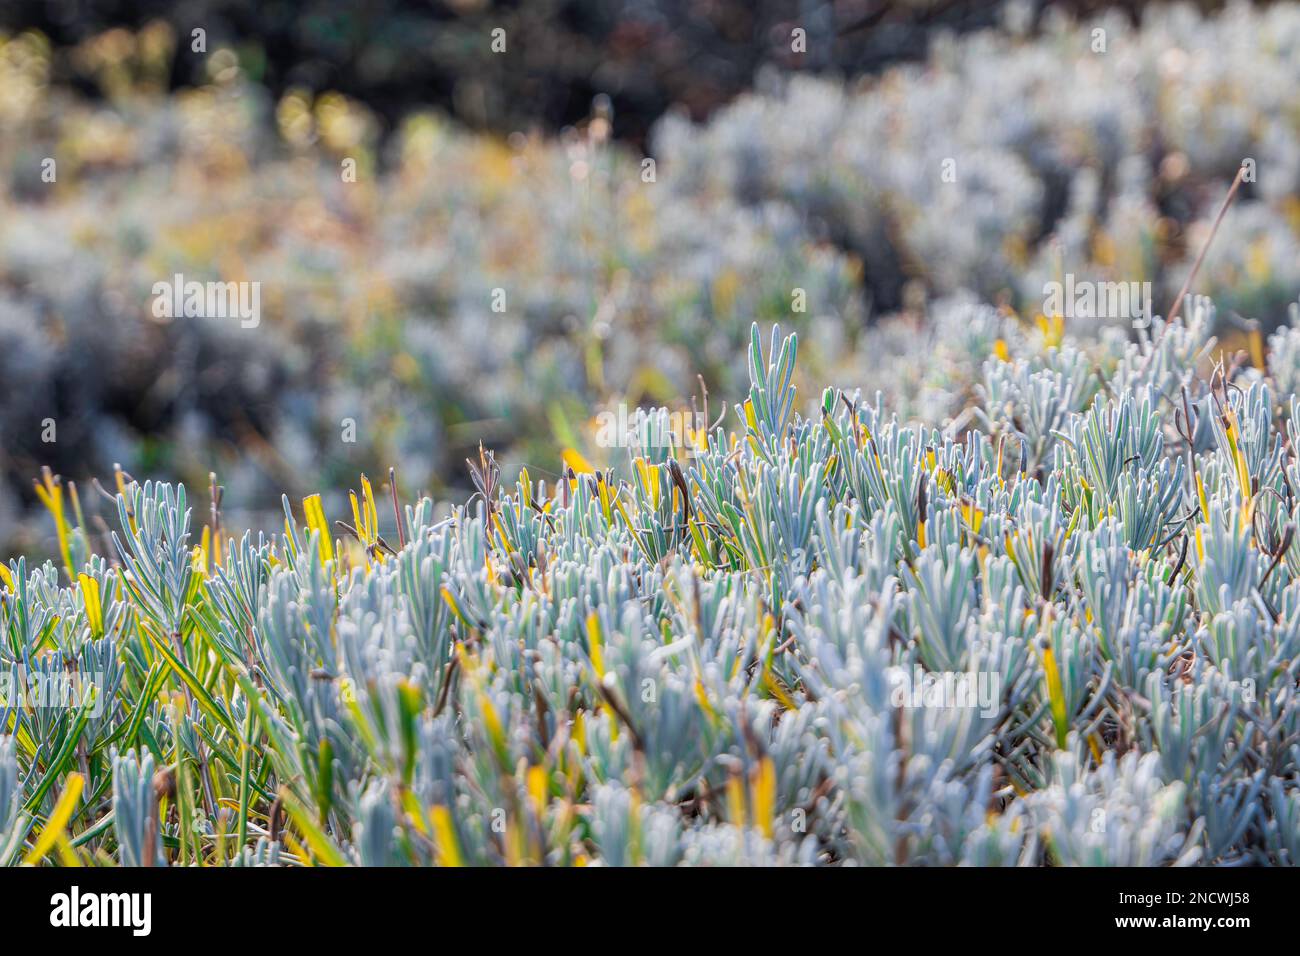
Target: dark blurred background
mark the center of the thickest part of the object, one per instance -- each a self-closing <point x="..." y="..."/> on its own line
<point x="646" y="55"/>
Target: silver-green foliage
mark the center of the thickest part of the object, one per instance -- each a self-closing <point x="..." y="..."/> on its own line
<point x="1068" y="636"/>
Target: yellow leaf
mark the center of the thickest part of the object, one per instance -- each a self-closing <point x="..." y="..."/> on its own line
<point x="973" y="515"/>
<point x="372" y="512"/>
<point x="315" y="515"/>
<point x="1056" y="696"/>
<point x="356" y="517"/>
<point x="319" y="842"/>
<point x="526" y="484"/>
<point x="94" y="607"/>
<point x="649" y="475"/>
<point x="593" y="644"/>
<point x="735" y="801"/>
<point x="776" y="691"/>
<point x="574" y="459"/>
<point x="455" y="607"/>
<point x="448" y="848"/>
<point x="496" y="733"/>
<point x="580" y="731"/>
<point x="537" y="787"/>
<point x="764" y="796"/>
<point x="59" y="817"/>
<point x="50" y="492"/>
<point x="703" y="699"/>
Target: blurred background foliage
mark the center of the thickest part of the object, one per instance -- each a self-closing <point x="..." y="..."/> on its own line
<point x="525" y="172"/>
<point x="646" y="55"/>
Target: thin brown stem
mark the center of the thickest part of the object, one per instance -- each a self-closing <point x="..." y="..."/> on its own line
<point x="1196" y="266"/>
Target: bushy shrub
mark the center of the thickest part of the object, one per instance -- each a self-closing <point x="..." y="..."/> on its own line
<point x="1065" y="632"/>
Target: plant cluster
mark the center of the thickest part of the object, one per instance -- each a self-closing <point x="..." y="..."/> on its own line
<point x="1098" y="135"/>
<point x="615" y="289"/>
<point x="750" y="650"/>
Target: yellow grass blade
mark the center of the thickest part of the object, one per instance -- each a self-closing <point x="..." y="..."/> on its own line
<point x="59" y="817"/>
